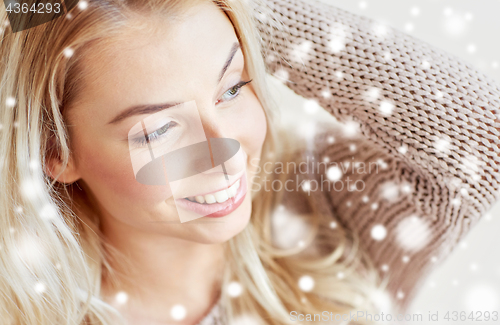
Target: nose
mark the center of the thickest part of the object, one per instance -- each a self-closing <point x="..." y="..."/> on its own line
<point x="225" y="151"/>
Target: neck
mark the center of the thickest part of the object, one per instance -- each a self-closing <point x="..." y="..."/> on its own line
<point x="161" y="272"/>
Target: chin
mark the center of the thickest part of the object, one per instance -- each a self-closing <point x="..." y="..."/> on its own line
<point x="220" y="230"/>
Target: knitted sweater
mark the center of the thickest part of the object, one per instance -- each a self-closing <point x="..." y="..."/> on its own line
<point x="425" y="116"/>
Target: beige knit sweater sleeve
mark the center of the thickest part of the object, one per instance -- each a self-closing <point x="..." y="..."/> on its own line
<point x="425" y="116"/>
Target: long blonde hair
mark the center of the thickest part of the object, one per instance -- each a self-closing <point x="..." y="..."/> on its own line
<point x="52" y="255"/>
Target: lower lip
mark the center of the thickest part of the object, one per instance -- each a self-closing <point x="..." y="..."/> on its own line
<point x="217" y="210"/>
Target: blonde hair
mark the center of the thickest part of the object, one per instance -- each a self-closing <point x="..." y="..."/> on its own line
<point x="52" y="256"/>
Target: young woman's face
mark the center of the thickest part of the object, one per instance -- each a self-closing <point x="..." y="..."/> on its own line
<point x="194" y="60"/>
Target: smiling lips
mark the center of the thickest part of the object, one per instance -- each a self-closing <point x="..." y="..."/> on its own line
<point x="217" y="204"/>
<point x="219" y="197"/>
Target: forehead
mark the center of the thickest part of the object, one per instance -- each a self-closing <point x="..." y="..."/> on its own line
<point x="158" y="51"/>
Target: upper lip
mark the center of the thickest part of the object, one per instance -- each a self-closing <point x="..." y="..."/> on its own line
<point x="220" y="189"/>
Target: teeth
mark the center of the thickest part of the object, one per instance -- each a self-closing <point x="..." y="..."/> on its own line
<point x="219" y="197"/>
<point x="209" y="198"/>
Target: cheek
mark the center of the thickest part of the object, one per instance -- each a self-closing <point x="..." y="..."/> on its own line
<point x="107" y="169"/>
<point x="252" y="126"/>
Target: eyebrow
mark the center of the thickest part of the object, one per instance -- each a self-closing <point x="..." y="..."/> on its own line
<point x="150" y="109"/>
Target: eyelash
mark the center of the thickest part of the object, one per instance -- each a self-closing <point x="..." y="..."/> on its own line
<point x="236" y="87"/>
<point x="154" y="136"/>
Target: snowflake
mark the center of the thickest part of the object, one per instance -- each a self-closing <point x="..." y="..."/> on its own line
<point x="10" y="102"/>
<point x="409" y="27"/>
<point x="234" y="289"/>
<point x="311" y="106"/>
<point x="425" y="64"/>
<point x="49" y="211"/>
<point x="472" y="166"/>
<point x="382" y="300"/>
<point x="471" y="48"/>
<point x="121" y="297"/>
<point x="288" y="229"/>
<point x="334" y="173"/>
<point x="306" y="283"/>
<point x="338" y="35"/>
<point x="441" y="145"/>
<point x="333" y="225"/>
<point x="386" y="108"/>
<point x="40" y="287"/>
<point x="32" y="188"/>
<point x="308" y="129"/>
<point x="30" y="250"/>
<point x="68" y="52"/>
<point x="282" y="75"/>
<point x="378" y="232"/>
<point x="300" y="53"/>
<point x="384" y="267"/>
<point x="413" y="233"/>
<point x="372" y="94"/>
<point x="350" y="128"/>
<point x="82" y="4"/>
<point x="481" y="296"/>
<point x="178" y="312"/>
<point x="380" y="29"/>
<point x="454" y="24"/>
<point x="326" y="93"/>
<point x="415" y="11"/>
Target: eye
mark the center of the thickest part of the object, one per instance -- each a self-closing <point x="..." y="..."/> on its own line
<point x="233" y="92"/>
<point x="156" y="135"/>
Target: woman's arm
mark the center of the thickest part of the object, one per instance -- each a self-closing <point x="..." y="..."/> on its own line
<point x="428" y="115"/>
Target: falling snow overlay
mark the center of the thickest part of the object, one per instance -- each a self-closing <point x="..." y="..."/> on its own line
<point x="396" y="119"/>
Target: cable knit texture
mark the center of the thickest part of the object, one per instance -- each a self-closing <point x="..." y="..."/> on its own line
<point x="427" y="118"/>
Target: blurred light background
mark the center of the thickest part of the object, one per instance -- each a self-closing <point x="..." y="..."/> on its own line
<point x="469" y="280"/>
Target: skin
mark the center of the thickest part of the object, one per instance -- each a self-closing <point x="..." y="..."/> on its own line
<point x="155" y="62"/>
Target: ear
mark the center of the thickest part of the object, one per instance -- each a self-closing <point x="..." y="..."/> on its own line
<point x="54" y="169"/>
